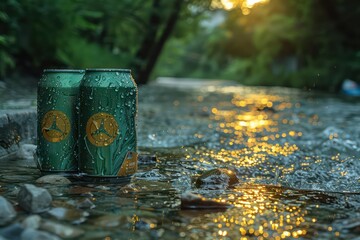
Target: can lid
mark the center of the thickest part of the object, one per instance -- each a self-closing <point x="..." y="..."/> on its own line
<point x="64" y="70"/>
<point x="108" y="70"/>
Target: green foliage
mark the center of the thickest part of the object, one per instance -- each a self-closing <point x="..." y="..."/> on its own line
<point x="83" y="54"/>
<point x="305" y="44"/>
<point x="6" y="41"/>
<point x="85" y="33"/>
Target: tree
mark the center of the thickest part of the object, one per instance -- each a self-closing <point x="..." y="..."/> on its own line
<point x="155" y="38"/>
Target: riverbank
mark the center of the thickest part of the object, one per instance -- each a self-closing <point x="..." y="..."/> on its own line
<point x="17" y="117"/>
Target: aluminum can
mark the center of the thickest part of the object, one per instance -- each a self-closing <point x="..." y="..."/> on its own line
<point x="58" y="94"/>
<point x="107" y="123"/>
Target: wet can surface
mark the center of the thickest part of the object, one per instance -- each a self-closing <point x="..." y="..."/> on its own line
<point x="107" y="123"/>
<point x="58" y="92"/>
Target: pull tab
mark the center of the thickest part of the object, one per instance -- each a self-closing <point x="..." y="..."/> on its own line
<point x="129" y="165"/>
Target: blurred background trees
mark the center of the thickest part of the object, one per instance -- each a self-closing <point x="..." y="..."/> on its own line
<point x="306" y="44"/>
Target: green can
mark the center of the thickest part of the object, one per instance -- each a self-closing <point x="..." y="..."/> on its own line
<point x="107" y="123"/>
<point x="58" y="94"/>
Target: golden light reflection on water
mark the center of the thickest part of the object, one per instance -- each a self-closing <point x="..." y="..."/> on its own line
<point x="251" y="128"/>
<point x="258" y="214"/>
<point x="254" y="127"/>
<point x="254" y="131"/>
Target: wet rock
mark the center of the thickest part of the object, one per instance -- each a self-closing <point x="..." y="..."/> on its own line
<point x="26" y="151"/>
<point x="85" y="204"/>
<point x="7" y="211"/>
<point x="32" y="222"/>
<point x="73" y="215"/>
<point x="142" y="225"/>
<point x="14" y="192"/>
<point x="198" y="202"/>
<point x="12" y="232"/>
<point x="53" y="179"/>
<point x="147" y="159"/>
<point x="34" y="199"/>
<point x="63" y="231"/>
<point x="219" y="178"/>
<point x="32" y="234"/>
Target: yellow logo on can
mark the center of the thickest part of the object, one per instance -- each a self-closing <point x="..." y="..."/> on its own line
<point x="102" y="129"/>
<point x="55" y="126"/>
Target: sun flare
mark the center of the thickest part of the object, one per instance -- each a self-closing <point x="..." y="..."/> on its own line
<point x="251" y="3"/>
<point x="245" y="5"/>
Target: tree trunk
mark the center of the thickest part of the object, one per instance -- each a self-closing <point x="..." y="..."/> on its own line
<point x="152" y="46"/>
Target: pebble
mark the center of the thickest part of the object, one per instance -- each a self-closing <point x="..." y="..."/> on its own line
<point x="197" y="202"/>
<point x="73" y="215"/>
<point x="61" y="230"/>
<point x="53" y="179"/>
<point x="32" y="234"/>
<point x="7" y="211"/>
<point x="32" y="222"/>
<point x="34" y="199"/>
<point x="85" y="204"/>
<point x="12" y="231"/>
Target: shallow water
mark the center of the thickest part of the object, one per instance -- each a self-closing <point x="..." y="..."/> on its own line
<point x="296" y="155"/>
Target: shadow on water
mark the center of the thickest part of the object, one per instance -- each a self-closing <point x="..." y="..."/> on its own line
<point x="295" y="155"/>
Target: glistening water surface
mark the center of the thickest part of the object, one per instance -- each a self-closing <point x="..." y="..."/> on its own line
<point x="296" y="155"/>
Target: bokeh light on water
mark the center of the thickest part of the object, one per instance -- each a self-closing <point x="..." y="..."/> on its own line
<point x="280" y="142"/>
<point x="295" y="155"/>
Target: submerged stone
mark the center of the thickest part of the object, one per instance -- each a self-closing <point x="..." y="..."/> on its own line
<point x="85" y="204"/>
<point x="53" y="179"/>
<point x="34" y="199"/>
<point x="32" y="222"/>
<point x="32" y="234"/>
<point x="12" y="231"/>
<point x="197" y="202"/>
<point x="7" y="211"/>
<point x="219" y="178"/>
<point x="61" y="230"/>
<point x="73" y="215"/>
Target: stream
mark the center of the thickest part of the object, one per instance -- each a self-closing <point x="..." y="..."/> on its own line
<point x="295" y="154"/>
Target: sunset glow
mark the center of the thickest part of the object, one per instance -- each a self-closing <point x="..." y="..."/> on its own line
<point x="245" y="5"/>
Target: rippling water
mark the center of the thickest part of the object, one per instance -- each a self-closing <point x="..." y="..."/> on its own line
<point x="296" y="155"/>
